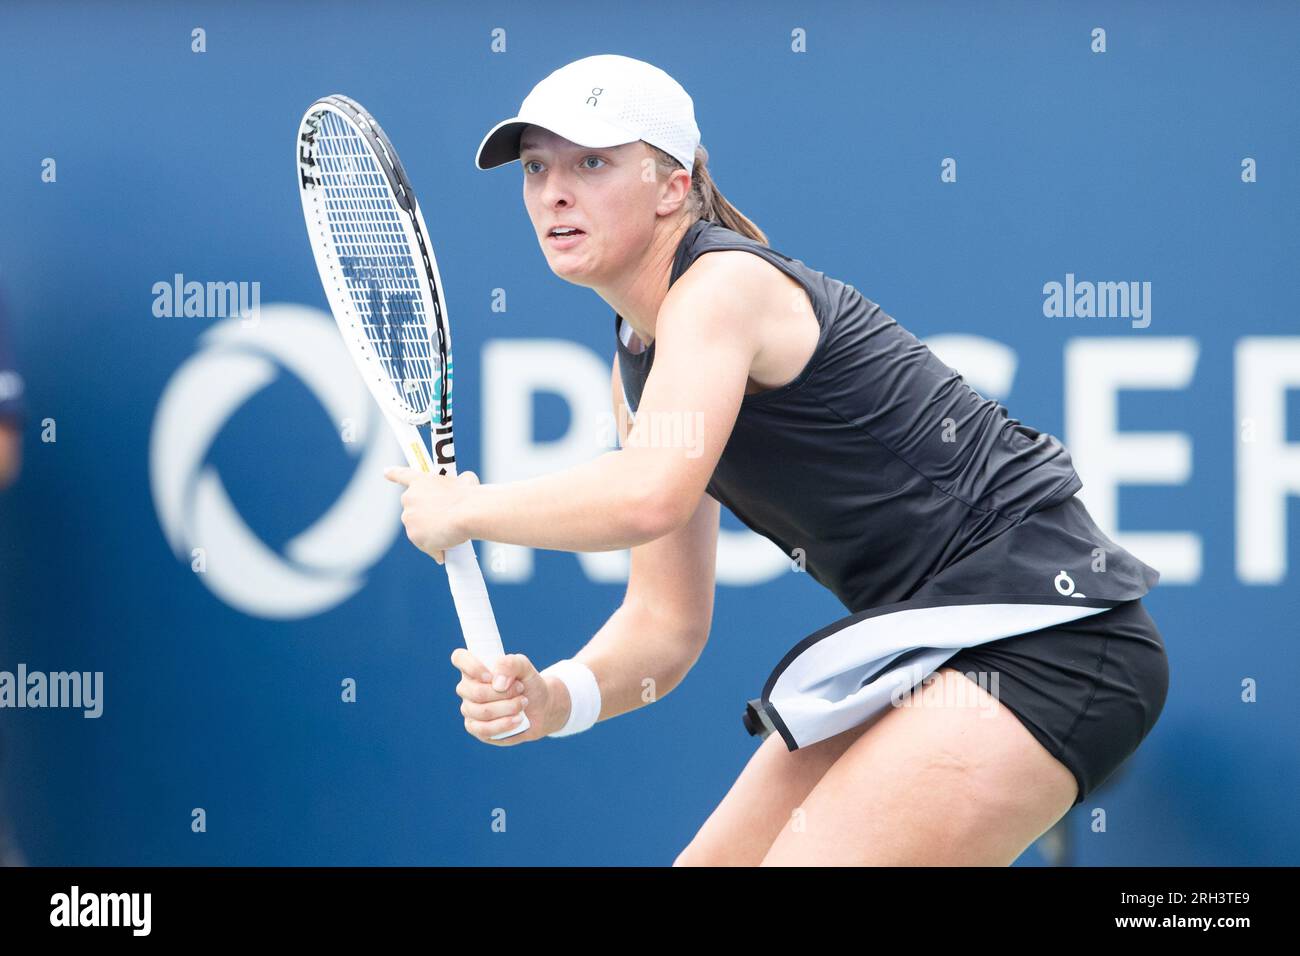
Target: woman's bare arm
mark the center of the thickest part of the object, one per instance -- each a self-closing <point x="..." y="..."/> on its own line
<point x="706" y="342"/>
<point x="650" y="643"/>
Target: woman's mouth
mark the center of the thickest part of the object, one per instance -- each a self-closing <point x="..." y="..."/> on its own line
<point x="562" y="237"/>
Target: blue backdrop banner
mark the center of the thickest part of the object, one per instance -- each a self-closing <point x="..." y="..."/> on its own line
<point x="1085" y="209"/>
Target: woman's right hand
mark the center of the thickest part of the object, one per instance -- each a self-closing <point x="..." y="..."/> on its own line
<point x="489" y="711"/>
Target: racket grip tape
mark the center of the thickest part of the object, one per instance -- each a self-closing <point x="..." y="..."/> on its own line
<point x="474" y="609"/>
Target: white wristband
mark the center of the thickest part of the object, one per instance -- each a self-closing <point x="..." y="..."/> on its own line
<point x="584" y="695"/>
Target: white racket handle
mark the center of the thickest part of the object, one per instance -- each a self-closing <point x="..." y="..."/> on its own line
<point x="475" y="612"/>
<point x="477" y="622"/>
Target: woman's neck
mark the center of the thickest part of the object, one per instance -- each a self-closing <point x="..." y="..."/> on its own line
<point x="639" y="303"/>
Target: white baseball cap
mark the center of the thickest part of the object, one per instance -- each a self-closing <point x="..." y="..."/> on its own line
<point x="604" y="100"/>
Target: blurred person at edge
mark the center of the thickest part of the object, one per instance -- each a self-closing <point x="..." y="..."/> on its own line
<point x="11" y="406"/>
<point x="11" y="431"/>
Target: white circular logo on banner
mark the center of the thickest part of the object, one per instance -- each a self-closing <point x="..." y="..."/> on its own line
<point x="323" y="565"/>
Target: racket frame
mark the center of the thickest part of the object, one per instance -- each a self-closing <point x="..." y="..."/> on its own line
<point x="469" y="591"/>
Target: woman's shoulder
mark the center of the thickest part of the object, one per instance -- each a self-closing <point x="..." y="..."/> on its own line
<point x="752" y="284"/>
<point x="736" y="273"/>
<point x="706" y="235"/>
<point x="714" y="254"/>
<point x="778" y="307"/>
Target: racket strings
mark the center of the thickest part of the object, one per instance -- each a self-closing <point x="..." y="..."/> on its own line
<point x="381" y="275"/>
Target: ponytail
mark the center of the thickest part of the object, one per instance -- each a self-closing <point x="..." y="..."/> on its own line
<point x="707" y="201"/>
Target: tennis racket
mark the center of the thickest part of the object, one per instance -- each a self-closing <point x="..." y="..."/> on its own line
<point x="373" y="253"/>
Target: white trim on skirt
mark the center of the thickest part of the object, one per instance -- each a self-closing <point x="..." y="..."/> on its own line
<point x="853" y="670"/>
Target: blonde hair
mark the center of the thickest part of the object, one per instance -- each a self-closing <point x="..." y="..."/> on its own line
<point x="706" y="201"/>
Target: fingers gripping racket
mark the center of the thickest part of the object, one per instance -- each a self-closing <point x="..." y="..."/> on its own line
<point x="373" y="253"/>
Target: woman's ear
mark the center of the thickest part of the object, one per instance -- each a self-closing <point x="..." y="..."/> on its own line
<point x="675" y="192"/>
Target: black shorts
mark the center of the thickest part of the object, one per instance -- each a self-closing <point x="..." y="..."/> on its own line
<point x="1089" y="690"/>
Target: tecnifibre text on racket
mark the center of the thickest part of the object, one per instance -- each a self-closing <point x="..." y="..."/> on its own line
<point x="373" y="254"/>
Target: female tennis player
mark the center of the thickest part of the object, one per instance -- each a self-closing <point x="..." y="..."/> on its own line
<point x="997" y="663"/>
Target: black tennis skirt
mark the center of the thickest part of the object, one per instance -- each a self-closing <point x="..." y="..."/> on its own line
<point x="1090" y="690"/>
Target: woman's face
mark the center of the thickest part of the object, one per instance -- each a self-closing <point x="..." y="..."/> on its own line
<point x="612" y="194"/>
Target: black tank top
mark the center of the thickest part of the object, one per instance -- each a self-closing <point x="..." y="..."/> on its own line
<point x="879" y="461"/>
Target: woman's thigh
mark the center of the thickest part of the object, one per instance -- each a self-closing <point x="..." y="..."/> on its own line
<point x="765" y="798"/>
<point x="1090" y="690"/>
<point x="951" y="777"/>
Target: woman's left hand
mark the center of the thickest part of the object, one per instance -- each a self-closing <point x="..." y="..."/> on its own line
<point x="428" y="504"/>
